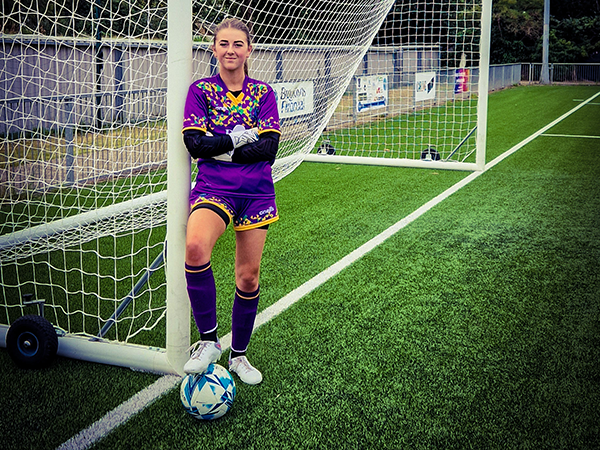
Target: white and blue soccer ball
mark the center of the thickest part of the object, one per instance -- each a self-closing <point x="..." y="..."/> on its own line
<point x="208" y="395"/>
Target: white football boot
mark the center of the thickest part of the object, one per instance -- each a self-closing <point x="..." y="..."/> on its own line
<point x="242" y="367"/>
<point x="204" y="353"/>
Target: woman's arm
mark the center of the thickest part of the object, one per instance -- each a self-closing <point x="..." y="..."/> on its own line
<point x="199" y="145"/>
<point x="265" y="149"/>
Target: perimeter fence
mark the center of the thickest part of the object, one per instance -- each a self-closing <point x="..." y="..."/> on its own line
<point x="82" y="111"/>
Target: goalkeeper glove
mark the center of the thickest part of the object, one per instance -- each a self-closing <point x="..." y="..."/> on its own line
<point x="224" y="156"/>
<point x="243" y="137"/>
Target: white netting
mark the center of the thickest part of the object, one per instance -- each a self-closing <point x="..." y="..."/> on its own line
<point x="416" y="88"/>
<point x="308" y="52"/>
<point x="82" y="129"/>
<point x="83" y="138"/>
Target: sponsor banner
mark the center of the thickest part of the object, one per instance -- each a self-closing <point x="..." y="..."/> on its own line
<point x="294" y="99"/>
<point x="425" y="86"/>
<point x="461" y="81"/>
<point x="371" y="92"/>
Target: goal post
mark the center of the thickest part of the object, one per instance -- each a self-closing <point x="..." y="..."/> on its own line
<point x="179" y="177"/>
<point x="484" y="71"/>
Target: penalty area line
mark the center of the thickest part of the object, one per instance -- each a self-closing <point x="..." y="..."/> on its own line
<point x="571" y="136"/>
<point x="147" y="396"/>
<point x="122" y="413"/>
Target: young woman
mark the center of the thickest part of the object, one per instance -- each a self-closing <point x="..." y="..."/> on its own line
<point x="231" y="126"/>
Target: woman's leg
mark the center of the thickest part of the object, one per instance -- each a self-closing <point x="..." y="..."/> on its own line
<point x="249" y="248"/>
<point x="204" y="227"/>
<point x="203" y="230"/>
<point x="248" y="254"/>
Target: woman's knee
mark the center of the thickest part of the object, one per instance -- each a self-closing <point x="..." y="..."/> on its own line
<point x="204" y="227"/>
<point x="197" y="253"/>
<point x="247" y="278"/>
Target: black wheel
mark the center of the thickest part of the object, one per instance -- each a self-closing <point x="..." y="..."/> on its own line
<point x="32" y="342"/>
<point x="326" y="149"/>
<point x="430" y="154"/>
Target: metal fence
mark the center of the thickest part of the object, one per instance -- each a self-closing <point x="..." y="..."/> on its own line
<point x="78" y="105"/>
<point x="54" y="84"/>
<point x="562" y="73"/>
<point x="504" y="75"/>
<point x="69" y="95"/>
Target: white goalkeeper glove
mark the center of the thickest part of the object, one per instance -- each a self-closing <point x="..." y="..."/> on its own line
<point x="243" y="137"/>
<point x="224" y="156"/>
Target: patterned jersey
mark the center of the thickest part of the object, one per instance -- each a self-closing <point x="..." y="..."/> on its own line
<point x="211" y="107"/>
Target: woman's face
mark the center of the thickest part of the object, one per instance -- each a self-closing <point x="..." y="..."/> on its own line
<point x="231" y="49"/>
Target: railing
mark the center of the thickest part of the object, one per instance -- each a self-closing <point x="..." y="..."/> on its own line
<point x="562" y="73"/>
<point x="504" y="75"/>
<point x="114" y="97"/>
<point x="61" y="115"/>
<point x="56" y="114"/>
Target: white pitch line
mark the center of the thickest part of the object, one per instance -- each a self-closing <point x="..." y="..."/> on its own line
<point x="539" y="132"/>
<point x="291" y="298"/>
<point x="582" y="100"/>
<point x="144" y="398"/>
<point x="120" y="414"/>
<point x="571" y="136"/>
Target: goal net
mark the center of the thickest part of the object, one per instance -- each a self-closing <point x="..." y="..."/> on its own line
<point x="419" y="95"/>
<point x="91" y="158"/>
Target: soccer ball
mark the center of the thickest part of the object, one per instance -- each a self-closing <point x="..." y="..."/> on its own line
<point x="208" y="395"/>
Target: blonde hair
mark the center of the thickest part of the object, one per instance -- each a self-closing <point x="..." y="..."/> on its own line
<point x="237" y="24"/>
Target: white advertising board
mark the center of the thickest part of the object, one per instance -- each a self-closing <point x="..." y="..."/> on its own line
<point x="371" y="92"/>
<point x="294" y="99"/>
<point x="424" y="86"/>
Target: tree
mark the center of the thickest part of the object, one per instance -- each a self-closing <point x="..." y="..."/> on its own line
<point x="575" y="40"/>
<point x="575" y="31"/>
<point x="517" y="27"/>
<point x="574" y="9"/>
<point x="78" y="18"/>
<point x="449" y="26"/>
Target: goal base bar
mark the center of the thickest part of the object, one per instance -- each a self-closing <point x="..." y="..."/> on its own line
<point x="393" y="162"/>
<point x="132" y="356"/>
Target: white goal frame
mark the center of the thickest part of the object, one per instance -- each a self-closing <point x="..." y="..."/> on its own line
<point x="481" y="131"/>
<point x="169" y="360"/>
<point x="180" y="73"/>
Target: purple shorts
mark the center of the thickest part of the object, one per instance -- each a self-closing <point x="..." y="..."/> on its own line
<point x="245" y="213"/>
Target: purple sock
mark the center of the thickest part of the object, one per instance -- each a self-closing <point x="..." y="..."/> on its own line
<point x="245" y="305"/>
<point x="203" y="296"/>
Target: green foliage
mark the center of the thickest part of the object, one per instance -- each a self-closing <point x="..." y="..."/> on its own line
<point x="517" y="28"/>
<point x="575" y="9"/>
<point x="574" y="40"/>
<point x="453" y="27"/>
<point x="517" y="25"/>
<point x="98" y="18"/>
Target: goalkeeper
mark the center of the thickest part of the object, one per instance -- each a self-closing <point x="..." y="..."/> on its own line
<point x="231" y="126"/>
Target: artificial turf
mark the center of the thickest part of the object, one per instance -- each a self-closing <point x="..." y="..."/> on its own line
<point x="477" y="326"/>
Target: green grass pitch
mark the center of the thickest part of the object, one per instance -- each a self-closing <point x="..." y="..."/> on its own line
<point x="477" y="326"/>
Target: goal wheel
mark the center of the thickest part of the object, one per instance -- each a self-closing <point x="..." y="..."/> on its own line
<point x="326" y="149"/>
<point x="430" y="154"/>
<point x="32" y="342"/>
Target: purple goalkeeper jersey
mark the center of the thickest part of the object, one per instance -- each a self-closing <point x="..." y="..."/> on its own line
<point x="212" y="108"/>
